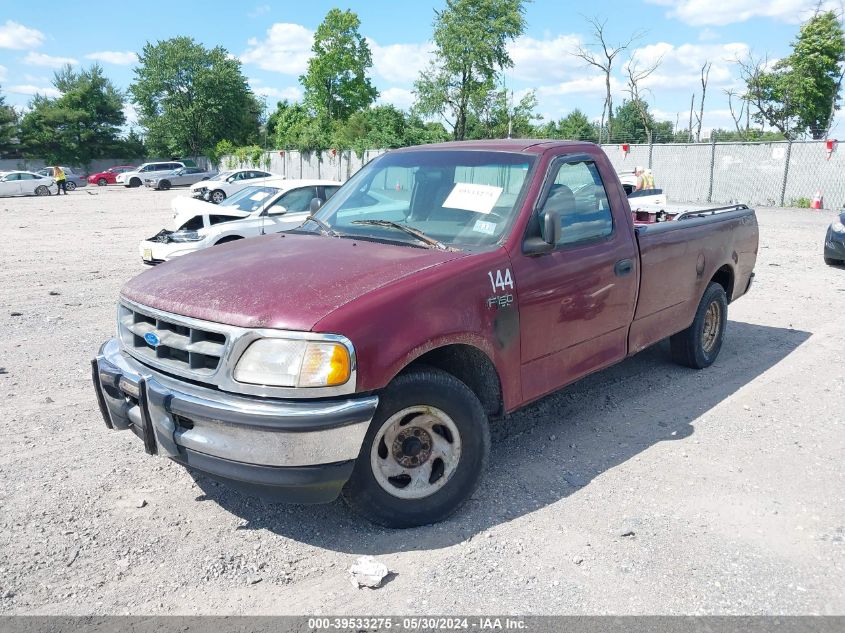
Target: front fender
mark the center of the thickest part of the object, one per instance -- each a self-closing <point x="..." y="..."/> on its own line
<point x="451" y="303"/>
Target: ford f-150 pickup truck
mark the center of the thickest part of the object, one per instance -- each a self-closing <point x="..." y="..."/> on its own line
<point x="441" y="286"/>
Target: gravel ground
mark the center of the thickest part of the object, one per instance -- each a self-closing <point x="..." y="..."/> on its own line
<point x="645" y="489"/>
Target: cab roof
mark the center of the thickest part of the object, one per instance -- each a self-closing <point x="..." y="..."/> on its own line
<point x="532" y="146"/>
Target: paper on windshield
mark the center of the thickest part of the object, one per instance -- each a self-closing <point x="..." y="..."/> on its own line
<point x="472" y="197"/>
<point x="258" y="196"/>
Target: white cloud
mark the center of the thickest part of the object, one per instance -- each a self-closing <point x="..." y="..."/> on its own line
<point x="720" y="12"/>
<point x="537" y="60"/>
<point x="40" y="59"/>
<point x="400" y="63"/>
<point x="402" y="98"/>
<point x="291" y="93"/>
<point x="131" y="114"/>
<point x="586" y="85"/>
<point x="286" y="49"/>
<point x="26" y="89"/>
<point x="19" y="37"/>
<point x="680" y="68"/>
<point x="114" y="57"/>
<point x="260" y="10"/>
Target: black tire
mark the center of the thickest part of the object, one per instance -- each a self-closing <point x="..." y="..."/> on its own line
<point x="429" y="388"/>
<point x="41" y="190"/>
<point x="134" y="182"/>
<point x="164" y="185"/>
<point x="217" y="196"/>
<point x="70" y="185"/>
<point x="832" y="262"/>
<point x="102" y="182"/>
<point x="227" y="239"/>
<point x="699" y="345"/>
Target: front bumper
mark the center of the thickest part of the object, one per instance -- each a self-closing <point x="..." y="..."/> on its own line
<point x="299" y="451"/>
<point x="834" y="245"/>
<point x="153" y="252"/>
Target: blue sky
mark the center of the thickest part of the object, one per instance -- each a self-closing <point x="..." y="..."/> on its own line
<point x="273" y="41"/>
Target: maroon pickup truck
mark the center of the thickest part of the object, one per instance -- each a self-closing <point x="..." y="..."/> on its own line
<point x="442" y="286"/>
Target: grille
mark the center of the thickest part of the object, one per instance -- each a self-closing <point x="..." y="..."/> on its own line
<point x="182" y="349"/>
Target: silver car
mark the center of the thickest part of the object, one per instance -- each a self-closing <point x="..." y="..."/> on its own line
<point x="178" y="178"/>
<point x="72" y="179"/>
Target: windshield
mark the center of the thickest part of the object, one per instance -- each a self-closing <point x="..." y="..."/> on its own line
<point x="461" y="198"/>
<point x="222" y="175"/>
<point x="251" y="198"/>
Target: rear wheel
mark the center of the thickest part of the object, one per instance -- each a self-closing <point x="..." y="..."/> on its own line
<point x="41" y="190"/>
<point x="424" y="454"/>
<point x="102" y="182"/>
<point x="70" y="185"/>
<point x="699" y="345"/>
<point x="218" y="196"/>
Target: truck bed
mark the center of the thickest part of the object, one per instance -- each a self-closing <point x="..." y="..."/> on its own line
<point x="680" y="257"/>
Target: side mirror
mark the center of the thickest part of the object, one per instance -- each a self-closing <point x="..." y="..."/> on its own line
<point x="315" y="205"/>
<point x="550" y="231"/>
<point x="277" y="210"/>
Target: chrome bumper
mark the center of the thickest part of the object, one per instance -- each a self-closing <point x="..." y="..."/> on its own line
<point x="249" y="439"/>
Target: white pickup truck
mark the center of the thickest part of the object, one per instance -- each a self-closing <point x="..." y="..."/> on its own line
<point x="273" y="206"/>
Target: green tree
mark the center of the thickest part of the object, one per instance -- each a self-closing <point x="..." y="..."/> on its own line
<point x="190" y="97"/>
<point x="577" y="127"/>
<point x="470" y="38"/>
<point x="79" y="126"/>
<point x="8" y="128"/>
<point x="132" y="145"/>
<point x="800" y="94"/>
<point x="628" y="125"/>
<point x="494" y="116"/>
<point x="336" y="84"/>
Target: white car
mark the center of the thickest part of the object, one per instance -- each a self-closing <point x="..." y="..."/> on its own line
<point x="136" y="177"/>
<point x="275" y="205"/>
<point x="228" y="183"/>
<point x="26" y="183"/>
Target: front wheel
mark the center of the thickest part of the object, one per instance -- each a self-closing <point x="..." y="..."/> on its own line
<point x="135" y="182"/>
<point x="832" y="262"/>
<point x="699" y="345"/>
<point x="164" y="185"/>
<point x="424" y="454"/>
<point x="41" y="190"/>
<point x="70" y="185"/>
<point x="218" y="196"/>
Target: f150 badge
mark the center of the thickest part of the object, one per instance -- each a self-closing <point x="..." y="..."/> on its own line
<point x="502" y="281"/>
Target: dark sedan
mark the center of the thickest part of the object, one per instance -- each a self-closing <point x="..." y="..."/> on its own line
<point x="834" y="242"/>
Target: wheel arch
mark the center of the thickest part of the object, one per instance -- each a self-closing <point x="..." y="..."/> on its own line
<point x="725" y="277"/>
<point x="470" y="365"/>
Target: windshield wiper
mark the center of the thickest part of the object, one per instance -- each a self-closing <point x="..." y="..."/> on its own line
<point x="422" y="237"/>
<point x="326" y="228"/>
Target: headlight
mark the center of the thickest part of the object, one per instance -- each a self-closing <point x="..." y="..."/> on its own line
<point x="294" y="363"/>
<point x="837" y="227"/>
<point x="186" y="236"/>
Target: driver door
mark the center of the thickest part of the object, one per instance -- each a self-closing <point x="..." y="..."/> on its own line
<point x="10" y="185"/>
<point x="290" y="209"/>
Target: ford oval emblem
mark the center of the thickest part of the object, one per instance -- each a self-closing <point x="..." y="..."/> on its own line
<point x="152" y="339"/>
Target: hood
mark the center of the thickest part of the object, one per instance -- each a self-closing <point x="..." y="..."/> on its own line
<point x="185" y="208"/>
<point x="283" y="281"/>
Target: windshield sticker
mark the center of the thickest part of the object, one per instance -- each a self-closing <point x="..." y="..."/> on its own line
<point x="488" y="228"/>
<point x="470" y="197"/>
<point x="258" y="196"/>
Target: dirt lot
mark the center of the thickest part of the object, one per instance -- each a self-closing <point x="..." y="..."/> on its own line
<point x="729" y="481"/>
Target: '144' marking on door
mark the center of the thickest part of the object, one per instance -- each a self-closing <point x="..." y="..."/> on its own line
<point x="501" y="281"/>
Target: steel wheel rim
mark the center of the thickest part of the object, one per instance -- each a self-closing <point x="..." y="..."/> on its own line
<point x="712" y="325"/>
<point x="416" y="452"/>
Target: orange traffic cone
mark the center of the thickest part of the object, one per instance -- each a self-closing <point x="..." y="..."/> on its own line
<point x="817" y="201"/>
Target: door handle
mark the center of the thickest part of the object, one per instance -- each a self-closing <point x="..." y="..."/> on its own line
<point x="623" y="267"/>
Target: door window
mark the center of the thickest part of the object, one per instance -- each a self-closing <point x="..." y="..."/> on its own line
<point x="296" y="201"/>
<point x="579" y="196"/>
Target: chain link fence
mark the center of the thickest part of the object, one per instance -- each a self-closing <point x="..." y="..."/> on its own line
<point x="780" y="173"/>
